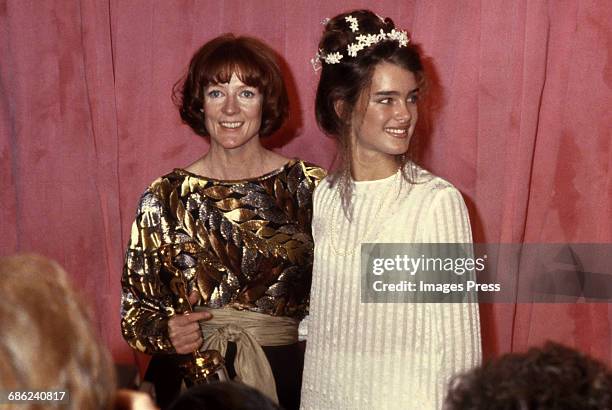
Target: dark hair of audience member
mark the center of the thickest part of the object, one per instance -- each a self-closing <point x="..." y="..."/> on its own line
<point x="552" y="377"/>
<point x="46" y="340"/>
<point x="223" y="396"/>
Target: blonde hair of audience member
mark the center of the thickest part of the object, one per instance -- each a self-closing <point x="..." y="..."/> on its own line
<point x="47" y="342"/>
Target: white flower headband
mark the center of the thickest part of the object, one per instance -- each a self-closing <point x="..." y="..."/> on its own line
<point x="363" y="41"/>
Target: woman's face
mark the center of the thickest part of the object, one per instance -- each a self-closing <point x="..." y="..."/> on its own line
<point x="232" y="113"/>
<point x="383" y="127"/>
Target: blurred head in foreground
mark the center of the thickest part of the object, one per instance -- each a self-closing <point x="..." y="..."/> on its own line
<point x="552" y="377"/>
<point x="46" y="340"/>
<point x="223" y="396"/>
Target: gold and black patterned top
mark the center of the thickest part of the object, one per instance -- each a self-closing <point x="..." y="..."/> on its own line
<point x="245" y="244"/>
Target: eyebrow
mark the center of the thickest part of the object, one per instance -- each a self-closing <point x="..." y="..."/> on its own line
<point x="392" y="93"/>
<point x="225" y="85"/>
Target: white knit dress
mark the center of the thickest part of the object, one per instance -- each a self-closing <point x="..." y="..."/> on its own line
<point x="377" y="355"/>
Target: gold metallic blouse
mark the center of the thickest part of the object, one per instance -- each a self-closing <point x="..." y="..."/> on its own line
<point x="245" y="244"/>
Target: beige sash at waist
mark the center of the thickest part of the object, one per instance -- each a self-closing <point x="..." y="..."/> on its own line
<point x="250" y="331"/>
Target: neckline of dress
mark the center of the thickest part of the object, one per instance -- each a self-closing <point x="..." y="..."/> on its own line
<point x="372" y="186"/>
<point x="267" y="175"/>
<point x="377" y="181"/>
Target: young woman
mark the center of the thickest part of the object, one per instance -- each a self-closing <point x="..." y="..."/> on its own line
<point x="374" y="355"/>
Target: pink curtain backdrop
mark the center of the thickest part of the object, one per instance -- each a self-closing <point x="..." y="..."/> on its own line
<point x="518" y="120"/>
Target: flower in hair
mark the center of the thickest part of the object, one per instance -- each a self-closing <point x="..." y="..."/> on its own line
<point x="366" y="40"/>
<point x="332" y="58"/>
<point x="316" y="62"/>
<point x="400" y="36"/>
<point x="353" y="22"/>
<point x="354" y="48"/>
<point x="363" y="40"/>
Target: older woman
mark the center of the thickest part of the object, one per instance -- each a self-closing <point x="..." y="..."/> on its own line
<point x="230" y="232"/>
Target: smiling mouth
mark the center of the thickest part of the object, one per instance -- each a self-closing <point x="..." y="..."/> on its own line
<point x="231" y="125"/>
<point x="397" y="132"/>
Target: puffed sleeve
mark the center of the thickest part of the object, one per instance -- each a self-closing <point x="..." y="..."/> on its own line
<point x="458" y="324"/>
<point x="146" y="303"/>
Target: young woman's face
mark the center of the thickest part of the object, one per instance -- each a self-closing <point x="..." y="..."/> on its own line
<point x="232" y="113"/>
<point x="384" y="128"/>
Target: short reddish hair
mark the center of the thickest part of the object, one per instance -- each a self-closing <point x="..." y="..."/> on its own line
<point x="252" y="61"/>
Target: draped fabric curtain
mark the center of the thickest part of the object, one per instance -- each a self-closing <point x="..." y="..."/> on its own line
<point x="516" y="116"/>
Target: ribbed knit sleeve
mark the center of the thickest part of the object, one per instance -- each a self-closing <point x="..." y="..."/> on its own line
<point x="458" y="324"/>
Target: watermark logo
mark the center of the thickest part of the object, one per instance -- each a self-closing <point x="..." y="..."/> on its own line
<point x="487" y="273"/>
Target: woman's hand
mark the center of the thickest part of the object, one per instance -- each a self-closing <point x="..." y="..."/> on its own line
<point x="184" y="330"/>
